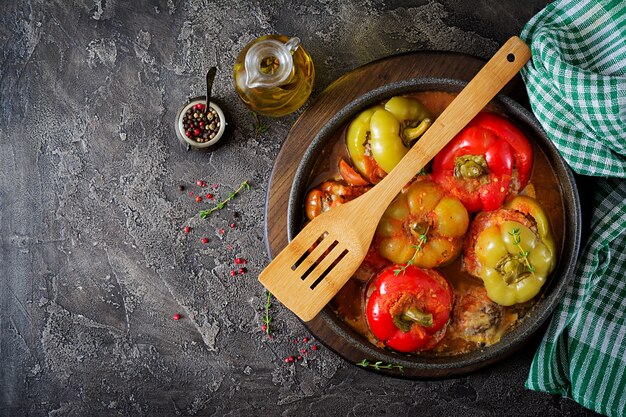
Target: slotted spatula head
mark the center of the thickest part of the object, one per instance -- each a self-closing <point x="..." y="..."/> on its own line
<point x="327" y="252"/>
<point x="320" y="259"/>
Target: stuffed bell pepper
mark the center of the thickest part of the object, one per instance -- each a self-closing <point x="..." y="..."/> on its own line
<point x="512" y="250"/>
<point x="489" y="159"/>
<point x="423" y="226"/>
<point x="380" y="136"/>
<point x="410" y="311"/>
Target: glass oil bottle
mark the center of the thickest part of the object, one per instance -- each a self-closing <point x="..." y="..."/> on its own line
<point x="274" y="75"/>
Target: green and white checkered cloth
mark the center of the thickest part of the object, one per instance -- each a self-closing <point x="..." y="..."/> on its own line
<point x="576" y="82"/>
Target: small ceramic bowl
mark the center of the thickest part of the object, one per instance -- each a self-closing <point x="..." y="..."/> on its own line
<point x="180" y="131"/>
<point x="339" y="337"/>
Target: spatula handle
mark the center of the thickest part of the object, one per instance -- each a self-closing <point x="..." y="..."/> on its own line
<point x="471" y="100"/>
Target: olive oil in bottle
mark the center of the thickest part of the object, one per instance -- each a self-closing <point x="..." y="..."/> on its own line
<point x="273" y="75"/>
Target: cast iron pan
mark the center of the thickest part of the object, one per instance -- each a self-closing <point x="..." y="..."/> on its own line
<point x="354" y="347"/>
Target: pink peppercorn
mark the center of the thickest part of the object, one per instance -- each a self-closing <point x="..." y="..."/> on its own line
<point x="187" y="229"/>
<point x="199" y="199"/>
<point x="314" y="347"/>
<point x="205" y="240"/>
<point x="176" y="317"/>
<point x="233" y="273"/>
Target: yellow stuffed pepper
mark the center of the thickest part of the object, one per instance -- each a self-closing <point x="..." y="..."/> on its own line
<point x="512" y="250"/>
<point x="380" y="136"/>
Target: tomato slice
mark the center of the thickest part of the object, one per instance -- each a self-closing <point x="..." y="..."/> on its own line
<point x="350" y="175"/>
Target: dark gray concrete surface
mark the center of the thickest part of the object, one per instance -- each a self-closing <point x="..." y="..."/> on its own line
<point x="94" y="262"/>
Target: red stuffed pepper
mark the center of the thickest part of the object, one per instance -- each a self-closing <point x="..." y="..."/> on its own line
<point x="486" y="161"/>
<point x="409" y="308"/>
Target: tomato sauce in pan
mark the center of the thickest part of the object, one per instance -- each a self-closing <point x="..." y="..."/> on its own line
<point x="349" y="304"/>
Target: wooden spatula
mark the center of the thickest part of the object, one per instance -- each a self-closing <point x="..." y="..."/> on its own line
<point x="327" y="252"/>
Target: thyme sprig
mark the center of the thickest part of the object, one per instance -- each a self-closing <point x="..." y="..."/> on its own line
<point x="259" y="127"/>
<point x="421" y="241"/>
<point x="267" y="319"/>
<point x="517" y="240"/>
<point x="378" y="365"/>
<point x="205" y="213"/>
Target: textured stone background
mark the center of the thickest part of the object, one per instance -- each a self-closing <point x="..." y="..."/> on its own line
<point x="93" y="261"/>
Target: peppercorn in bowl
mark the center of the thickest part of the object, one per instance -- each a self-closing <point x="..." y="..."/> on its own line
<point x="198" y="127"/>
<point x="505" y="271"/>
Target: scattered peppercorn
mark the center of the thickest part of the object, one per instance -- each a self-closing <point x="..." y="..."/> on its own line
<point x="238" y="260"/>
<point x="306" y="339"/>
<point x="187" y="229"/>
<point x="199" y="183"/>
<point x="199" y="199"/>
<point x="299" y="358"/>
<point x="242" y="270"/>
<point x="176" y="316"/>
<point x="314" y="347"/>
<point x="209" y="196"/>
<point x="233" y="272"/>
<point x="232" y="225"/>
<point x="205" y="240"/>
<point x="289" y="359"/>
<point x="303" y="351"/>
<point x="221" y="231"/>
<point x="264" y="328"/>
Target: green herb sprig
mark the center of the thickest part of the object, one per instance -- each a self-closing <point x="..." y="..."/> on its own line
<point x="421" y="241"/>
<point x="259" y="127"/>
<point x="378" y="365"/>
<point x="267" y="319"/>
<point x="517" y="240"/>
<point x="205" y="213"/>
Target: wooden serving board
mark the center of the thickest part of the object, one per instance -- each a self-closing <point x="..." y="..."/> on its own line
<point x="350" y="86"/>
